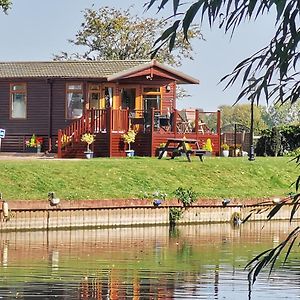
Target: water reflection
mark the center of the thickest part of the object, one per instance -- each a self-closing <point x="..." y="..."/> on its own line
<point x="189" y="262"/>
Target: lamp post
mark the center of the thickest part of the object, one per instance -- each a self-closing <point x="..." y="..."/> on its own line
<point x="251" y="82"/>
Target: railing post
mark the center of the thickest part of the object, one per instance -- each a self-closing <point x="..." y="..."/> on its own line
<point x="92" y="112"/>
<point x="59" y="137"/>
<point x="152" y="130"/>
<point x="87" y="123"/>
<point x="197" y="121"/>
<point x="128" y="124"/>
<point x="109" y="130"/>
<point x="219" y="130"/>
<point x="174" y="125"/>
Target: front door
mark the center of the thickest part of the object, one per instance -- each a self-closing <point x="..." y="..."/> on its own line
<point x="128" y="98"/>
<point x="94" y="96"/>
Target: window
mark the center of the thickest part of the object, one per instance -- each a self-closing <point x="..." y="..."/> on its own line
<point x="74" y="101"/>
<point x="100" y="97"/>
<point x="18" y="96"/>
<point x="94" y="96"/>
<point x="151" y="98"/>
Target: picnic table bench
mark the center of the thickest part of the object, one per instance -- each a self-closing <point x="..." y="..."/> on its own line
<point x="179" y="147"/>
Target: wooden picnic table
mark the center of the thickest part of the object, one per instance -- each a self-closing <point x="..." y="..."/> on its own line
<point x="178" y="145"/>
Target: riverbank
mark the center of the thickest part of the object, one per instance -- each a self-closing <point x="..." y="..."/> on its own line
<point x="140" y="178"/>
<point x="40" y="215"/>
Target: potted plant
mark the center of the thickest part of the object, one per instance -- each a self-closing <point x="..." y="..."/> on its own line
<point x="160" y="149"/>
<point x="34" y="144"/>
<point x="89" y="139"/>
<point x="129" y="138"/>
<point x="225" y="150"/>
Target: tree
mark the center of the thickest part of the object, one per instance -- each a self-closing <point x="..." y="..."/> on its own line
<point x="108" y="33"/>
<point x="281" y="114"/>
<point x="275" y="67"/>
<point x="5" y="5"/>
<point x="239" y="114"/>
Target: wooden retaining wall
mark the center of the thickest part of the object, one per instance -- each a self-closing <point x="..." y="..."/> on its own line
<point x="41" y="216"/>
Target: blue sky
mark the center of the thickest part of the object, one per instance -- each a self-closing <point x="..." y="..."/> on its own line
<point x="37" y="29"/>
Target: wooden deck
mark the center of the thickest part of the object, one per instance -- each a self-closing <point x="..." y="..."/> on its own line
<point x="153" y="128"/>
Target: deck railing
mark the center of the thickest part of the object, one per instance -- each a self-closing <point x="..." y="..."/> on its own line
<point x="121" y="120"/>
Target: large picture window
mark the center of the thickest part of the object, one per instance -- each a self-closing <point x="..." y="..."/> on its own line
<point x="18" y="96"/>
<point x="75" y="101"/>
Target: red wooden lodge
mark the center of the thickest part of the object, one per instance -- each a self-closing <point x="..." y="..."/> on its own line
<point x="60" y="101"/>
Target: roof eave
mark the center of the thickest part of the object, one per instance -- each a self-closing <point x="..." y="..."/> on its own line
<point x="182" y="77"/>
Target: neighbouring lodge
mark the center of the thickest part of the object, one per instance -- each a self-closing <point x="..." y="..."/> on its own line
<point x="59" y="101"/>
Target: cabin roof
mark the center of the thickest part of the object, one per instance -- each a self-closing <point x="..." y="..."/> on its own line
<point x="110" y="69"/>
<point x="66" y="69"/>
<point x="153" y="64"/>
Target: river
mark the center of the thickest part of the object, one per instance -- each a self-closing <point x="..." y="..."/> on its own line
<point x="189" y="262"/>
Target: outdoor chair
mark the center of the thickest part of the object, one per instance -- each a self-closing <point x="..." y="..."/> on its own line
<point x="164" y="122"/>
<point x="183" y="124"/>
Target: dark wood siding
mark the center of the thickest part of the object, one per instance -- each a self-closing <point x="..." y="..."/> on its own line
<point x="37" y="120"/>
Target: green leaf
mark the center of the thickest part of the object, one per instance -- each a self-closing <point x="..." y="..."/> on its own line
<point x="280" y="5"/>
<point x="165" y="35"/>
<point x="294" y="209"/>
<point x="162" y="4"/>
<point x="274" y="211"/>
<point x="175" y="6"/>
<point x="189" y="17"/>
<point x="172" y="41"/>
<point x="149" y="4"/>
<point x="289" y="249"/>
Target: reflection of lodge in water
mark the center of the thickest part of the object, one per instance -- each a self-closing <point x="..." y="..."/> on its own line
<point x="133" y="263"/>
<point x="113" y="287"/>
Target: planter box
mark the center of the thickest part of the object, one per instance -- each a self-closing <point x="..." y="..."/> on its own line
<point x="129" y="153"/>
<point x="31" y="150"/>
<point x="225" y="153"/>
<point x="89" y="154"/>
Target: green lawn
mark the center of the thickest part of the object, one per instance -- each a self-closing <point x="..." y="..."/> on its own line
<point x="104" y="178"/>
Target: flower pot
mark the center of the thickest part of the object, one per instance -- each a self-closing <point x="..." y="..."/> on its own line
<point x="31" y="149"/>
<point x="89" y="154"/>
<point x="129" y="153"/>
<point x="164" y="155"/>
<point x="225" y="153"/>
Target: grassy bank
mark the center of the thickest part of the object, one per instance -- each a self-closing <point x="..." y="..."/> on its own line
<point x="103" y="178"/>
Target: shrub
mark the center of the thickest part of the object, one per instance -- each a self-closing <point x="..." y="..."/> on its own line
<point x="186" y="197"/>
<point x="89" y="139"/>
<point x="278" y="141"/>
<point x="129" y="137"/>
<point x="225" y="146"/>
<point x="175" y="214"/>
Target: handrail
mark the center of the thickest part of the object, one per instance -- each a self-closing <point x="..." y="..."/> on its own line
<point x="92" y="121"/>
<point x="120" y="120"/>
